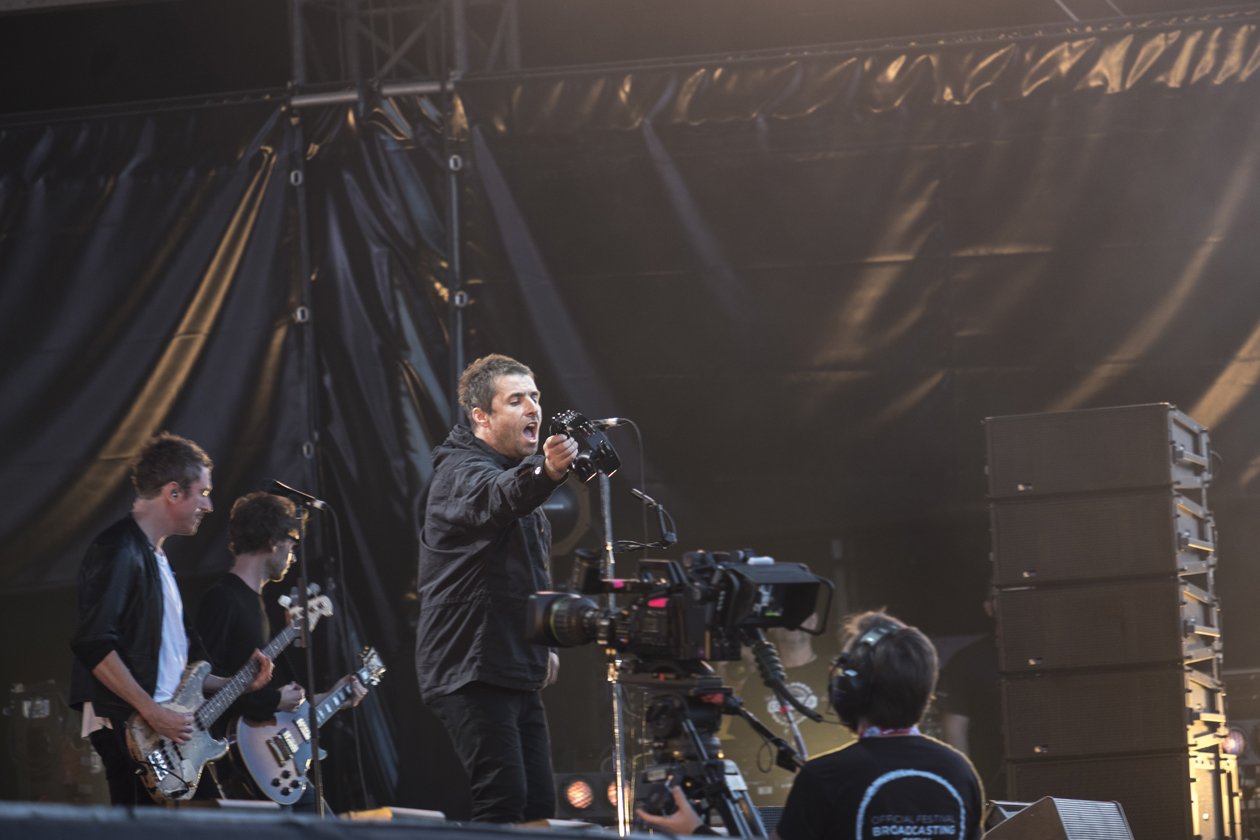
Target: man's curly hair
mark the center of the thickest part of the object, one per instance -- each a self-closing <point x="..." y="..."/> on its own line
<point x="260" y="520"/>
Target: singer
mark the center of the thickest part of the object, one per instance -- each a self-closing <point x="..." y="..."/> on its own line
<point x="484" y="548"/>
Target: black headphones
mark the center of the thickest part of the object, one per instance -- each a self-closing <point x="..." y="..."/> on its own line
<point x="851" y="680"/>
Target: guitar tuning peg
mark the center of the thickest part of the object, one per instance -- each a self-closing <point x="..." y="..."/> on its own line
<point x="285" y="600"/>
<point x="314" y="589"/>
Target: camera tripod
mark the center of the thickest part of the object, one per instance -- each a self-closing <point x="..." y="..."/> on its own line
<point x="683" y="721"/>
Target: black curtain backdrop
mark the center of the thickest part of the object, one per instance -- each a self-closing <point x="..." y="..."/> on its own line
<point x="808" y="277"/>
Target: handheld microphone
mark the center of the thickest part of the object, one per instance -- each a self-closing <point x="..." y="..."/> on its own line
<point x="296" y="496"/>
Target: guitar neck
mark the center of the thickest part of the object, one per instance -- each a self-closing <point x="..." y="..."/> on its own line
<point x="332" y="704"/>
<point x="218" y="703"/>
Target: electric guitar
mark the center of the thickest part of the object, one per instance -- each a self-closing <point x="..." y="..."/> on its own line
<point x="277" y="753"/>
<point x="171" y="771"/>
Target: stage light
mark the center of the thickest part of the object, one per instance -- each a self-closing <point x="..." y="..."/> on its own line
<point x="1235" y="742"/>
<point x="579" y="795"/>
<point x="587" y="796"/>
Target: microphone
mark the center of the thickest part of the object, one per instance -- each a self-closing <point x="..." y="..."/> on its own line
<point x="668" y="537"/>
<point x="297" y="496"/>
<point x="609" y="423"/>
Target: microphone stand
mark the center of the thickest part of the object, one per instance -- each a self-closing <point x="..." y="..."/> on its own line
<point x="315" y="775"/>
<point x="614" y="668"/>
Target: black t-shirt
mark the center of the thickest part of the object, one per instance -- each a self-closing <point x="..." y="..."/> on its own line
<point x="969" y="686"/>
<point x="906" y="787"/>
<point x="232" y="623"/>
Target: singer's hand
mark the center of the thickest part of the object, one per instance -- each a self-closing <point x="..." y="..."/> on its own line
<point x="559" y="452"/>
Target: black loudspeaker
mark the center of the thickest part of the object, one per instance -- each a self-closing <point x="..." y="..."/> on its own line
<point x="1087" y="713"/>
<point x="1065" y="819"/>
<point x="1088" y="538"/>
<point x="1095" y="451"/>
<point x="1106" y="625"/>
<point x="1173" y="796"/>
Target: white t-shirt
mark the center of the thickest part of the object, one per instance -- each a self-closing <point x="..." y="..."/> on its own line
<point x="173" y="655"/>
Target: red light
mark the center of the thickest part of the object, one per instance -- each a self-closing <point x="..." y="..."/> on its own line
<point x="658" y="603"/>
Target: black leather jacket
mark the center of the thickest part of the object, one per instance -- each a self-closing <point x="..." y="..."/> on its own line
<point x="120" y="609"/>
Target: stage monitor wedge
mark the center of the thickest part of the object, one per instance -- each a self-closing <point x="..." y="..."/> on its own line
<point x="1051" y="818"/>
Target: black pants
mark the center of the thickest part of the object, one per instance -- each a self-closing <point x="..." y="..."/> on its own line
<point x="125" y="787"/>
<point x="500" y="735"/>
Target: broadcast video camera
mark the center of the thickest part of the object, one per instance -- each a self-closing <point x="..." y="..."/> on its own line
<point x="698" y="610"/>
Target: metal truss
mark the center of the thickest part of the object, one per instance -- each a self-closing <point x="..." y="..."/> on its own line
<point x="391" y="42"/>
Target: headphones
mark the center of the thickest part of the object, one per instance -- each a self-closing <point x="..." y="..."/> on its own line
<point x="851" y="681"/>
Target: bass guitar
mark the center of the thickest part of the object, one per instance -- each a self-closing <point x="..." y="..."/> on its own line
<point x="171" y="771"/>
<point x="277" y="753"/>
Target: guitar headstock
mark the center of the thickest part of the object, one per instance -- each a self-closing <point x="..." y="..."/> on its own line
<point x="317" y="606"/>
<point x="373" y="668"/>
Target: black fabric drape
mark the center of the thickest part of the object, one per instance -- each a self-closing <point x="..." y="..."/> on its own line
<point x="379" y="246"/>
<point x="810" y="276"/>
<point x="144" y="288"/>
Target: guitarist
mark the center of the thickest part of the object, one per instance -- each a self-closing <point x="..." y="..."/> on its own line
<point x="131" y="643"/>
<point x="232" y="621"/>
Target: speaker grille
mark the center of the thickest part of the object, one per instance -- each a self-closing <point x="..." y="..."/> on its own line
<point x="1065" y="819"/>
<point x="1083" y="538"/>
<point x="1104" y="625"/>
<point x="1096" y="450"/>
<point x="1060" y="715"/>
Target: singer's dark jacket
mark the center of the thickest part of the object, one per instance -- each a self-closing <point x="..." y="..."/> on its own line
<point x="484" y="549"/>
<point x="120" y="609"/>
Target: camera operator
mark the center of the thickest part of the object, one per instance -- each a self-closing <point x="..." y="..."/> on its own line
<point x="893" y="783"/>
<point x="484" y="548"/>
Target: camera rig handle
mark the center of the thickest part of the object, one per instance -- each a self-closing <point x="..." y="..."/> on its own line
<point x="785" y="756"/>
<point x="771" y="668"/>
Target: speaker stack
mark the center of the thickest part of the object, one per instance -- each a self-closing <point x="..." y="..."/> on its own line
<point x="1108" y="624"/>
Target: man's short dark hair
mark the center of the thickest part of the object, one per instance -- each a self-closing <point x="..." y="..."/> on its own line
<point x="165" y="458"/>
<point x="259" y="521"/>
<point x="902" y="670"/>
<point x="477" y="382"/>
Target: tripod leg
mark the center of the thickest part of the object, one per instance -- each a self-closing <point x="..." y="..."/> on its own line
<point x="732" y="802"/>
